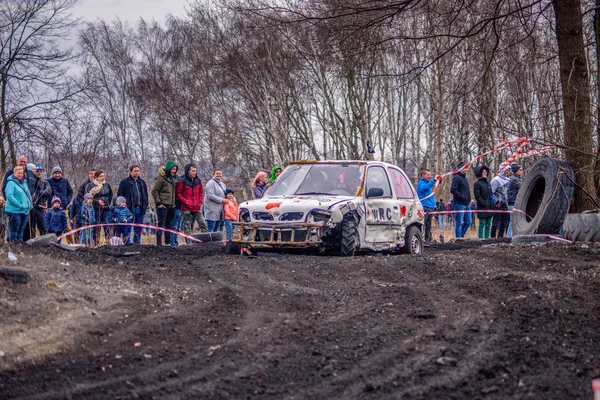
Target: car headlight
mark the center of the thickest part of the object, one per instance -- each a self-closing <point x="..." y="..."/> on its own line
<point x="318" y="216"/>
<point x="244" y="215"/>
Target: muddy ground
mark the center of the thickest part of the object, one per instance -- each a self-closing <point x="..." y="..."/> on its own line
<point x="464" y="320"/>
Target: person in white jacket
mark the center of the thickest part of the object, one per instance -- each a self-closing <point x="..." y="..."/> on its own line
<point x="214" y="198"/>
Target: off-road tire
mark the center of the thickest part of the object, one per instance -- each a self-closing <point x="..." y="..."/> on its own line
<point x="413" y="241"/>
<point x="584" y="227"/>
<point x="545" y="196"/>
<point x="349" y="235"/>
<point x="14" y="274"/>
<point x="233" y="248"/>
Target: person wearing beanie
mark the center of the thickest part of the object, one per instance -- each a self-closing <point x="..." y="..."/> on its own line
<point x="121" y="215"/>
<point x="461" y="197"/>
<point x="231" y="213"/>
<point x="190" y="194"/>
<point x="86" y="217"/>
<point x="499" y="187"/>
<point x="164" y="193"/>
<point x="56" y="219"/>
<point x="514" y="185"/>
<point x="60" y="187"/>
<point x="135" y="191"/>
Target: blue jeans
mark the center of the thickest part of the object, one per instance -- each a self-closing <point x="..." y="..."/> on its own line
<point x="463" y="220"/>
<point x="138" y="218"/>
<point x="176" y="226"/>
<point x="87" y="236"/>
<point x="17" y="224"/>
<point x="214" y="226"/>
<point x="441" y="220"/>
<point x="165" y="220"/>
<point x="509" y="232"/>
<point x="228" y="229"/>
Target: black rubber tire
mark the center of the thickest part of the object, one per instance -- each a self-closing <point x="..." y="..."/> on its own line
<point x="349" y="235"/>
<point x="530" y="239"/>
<point x="208" y="236"/>
<point x="413" y="241"/>
<point x="14" y="274"/>
<point x="233" y="248"/>
<point x="545" y="197"/>
<point x="584" y="227"/>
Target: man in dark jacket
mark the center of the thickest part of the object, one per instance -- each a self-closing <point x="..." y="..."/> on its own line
<point x="41" y="198"/>
<point x="60" y="187"/>
<point x="81" y="191"/>
<point x="461" y="197"/>
<point x="483" y="195"/>
<point x="514" y="184"/>
<point x="135" y="191"/>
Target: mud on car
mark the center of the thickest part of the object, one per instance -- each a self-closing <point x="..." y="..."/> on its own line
<point x="334" y="207"/>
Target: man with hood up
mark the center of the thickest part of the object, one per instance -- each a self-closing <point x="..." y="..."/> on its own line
<point x="483" y="195"/>
<point x="164" y="193"/>
<point x="461" y="198"/>
<point x="499" y="187"/>
<point x="191" y="195"/>
<point x="275" y="172"/>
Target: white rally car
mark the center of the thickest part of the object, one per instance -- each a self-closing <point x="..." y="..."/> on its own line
<point x="336" y="207"/>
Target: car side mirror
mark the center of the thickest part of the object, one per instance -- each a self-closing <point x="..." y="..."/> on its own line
<point x="375" y="192"/>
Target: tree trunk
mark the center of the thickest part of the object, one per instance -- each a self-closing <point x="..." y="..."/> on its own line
<point x="576" y="99"/>
<point x="597" y="34"/>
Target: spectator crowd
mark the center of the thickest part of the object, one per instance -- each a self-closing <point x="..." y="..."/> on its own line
<point x="32" y="205"/>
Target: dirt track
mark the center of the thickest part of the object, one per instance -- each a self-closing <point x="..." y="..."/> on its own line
<point x="466" y="320"/>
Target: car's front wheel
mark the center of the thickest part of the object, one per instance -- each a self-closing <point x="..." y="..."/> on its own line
<point x="349" y="234"/>
<point x="413" y="243"/>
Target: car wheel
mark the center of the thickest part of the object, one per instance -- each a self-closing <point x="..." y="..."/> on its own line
<point x="413" y="243"/>
<point x="545" y="198"/>
<point x="349" y="235"/>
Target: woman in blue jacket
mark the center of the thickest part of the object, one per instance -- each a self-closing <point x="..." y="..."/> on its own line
<point x="18" y="204"/>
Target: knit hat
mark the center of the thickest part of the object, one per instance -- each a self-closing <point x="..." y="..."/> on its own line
<point x="515" y="168"/>
<point x="120" y="200"/>
<point x="227" y="191"/>
<point x="87" y="196"/>
<point x="39" y="167"/>
<point x="30" y="167"/>
<point x="56" y="199"/>
<point x="56" y="169"/>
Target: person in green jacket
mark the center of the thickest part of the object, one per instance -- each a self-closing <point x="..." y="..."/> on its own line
<point x="164" y="193"/>
<point x="18" y="204"/>
<point x="275" y="172"/>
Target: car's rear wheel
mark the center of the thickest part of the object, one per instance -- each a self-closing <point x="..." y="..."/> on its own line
<point x="413" y="243"/>
<point x="349" y="234"/>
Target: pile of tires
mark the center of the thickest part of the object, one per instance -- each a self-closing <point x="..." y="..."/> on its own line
<point x="544" y="198"/>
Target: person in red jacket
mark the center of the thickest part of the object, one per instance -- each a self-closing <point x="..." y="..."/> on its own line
<point x="191" y="195"/>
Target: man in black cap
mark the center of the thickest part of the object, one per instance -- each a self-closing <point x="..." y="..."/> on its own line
<point x="461" y="197"/>
<point x="514" y="185"/>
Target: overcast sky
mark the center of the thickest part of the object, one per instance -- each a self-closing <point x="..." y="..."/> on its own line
<point x="129" y="10"/>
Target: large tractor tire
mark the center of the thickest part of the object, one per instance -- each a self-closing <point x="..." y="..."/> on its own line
<point x="349" y="235"/>
<point x="584" y="227"/>
<point x="544" y="198"/>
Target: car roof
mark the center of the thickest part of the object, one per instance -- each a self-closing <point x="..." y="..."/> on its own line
<point x="341" y="162"/>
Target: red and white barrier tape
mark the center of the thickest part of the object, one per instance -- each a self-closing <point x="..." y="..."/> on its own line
<point x="71" y="232"/>
<point x="478" y="211"/>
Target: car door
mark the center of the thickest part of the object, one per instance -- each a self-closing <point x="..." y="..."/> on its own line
<point x="406" y="201"/>
<point x="382" y="212"/>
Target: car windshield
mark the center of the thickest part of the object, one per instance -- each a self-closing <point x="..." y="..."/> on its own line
<point x="315" y="179"/>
